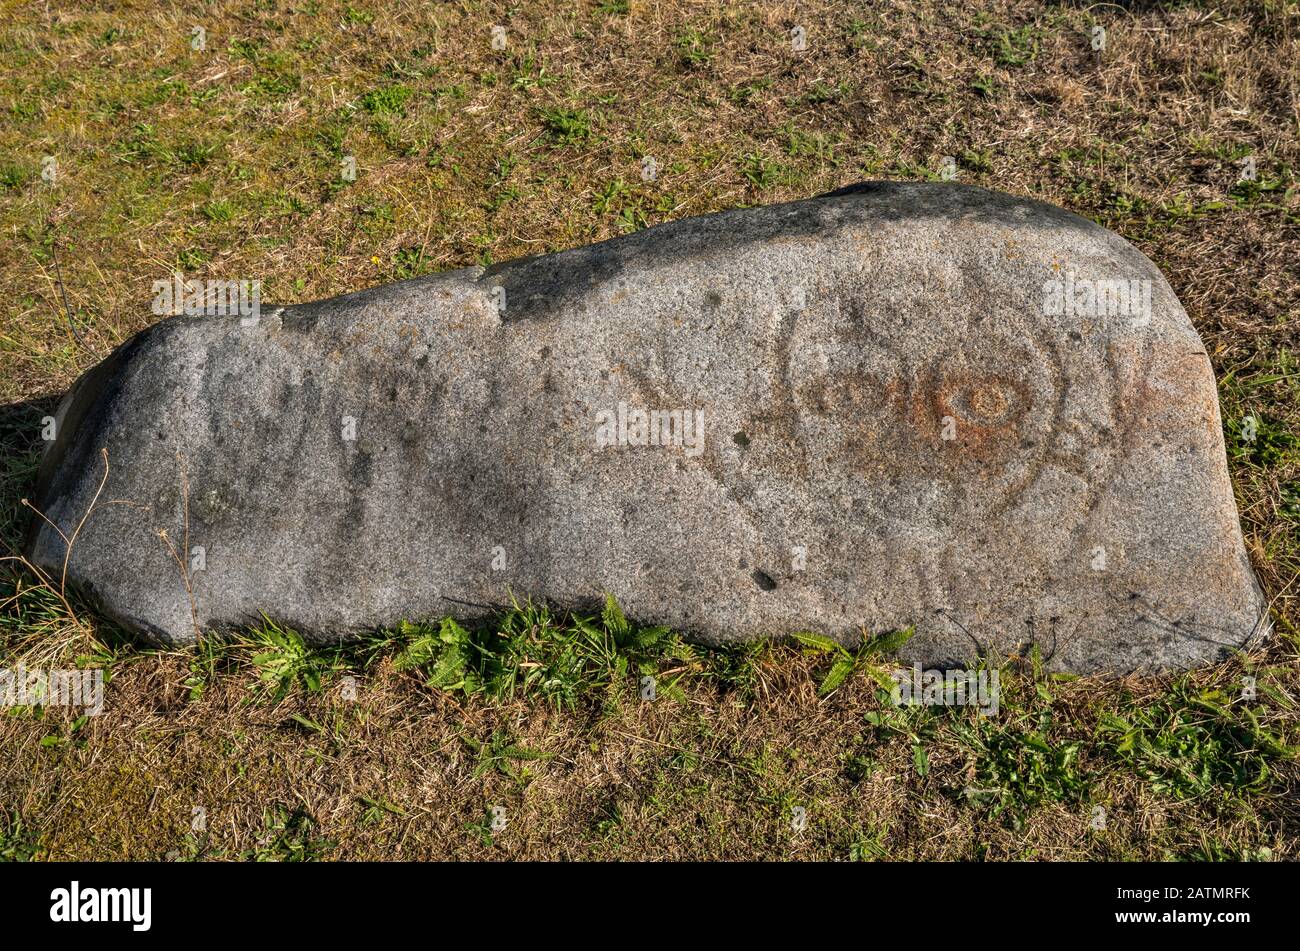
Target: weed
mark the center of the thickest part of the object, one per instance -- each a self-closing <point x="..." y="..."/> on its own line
<point x="694" y="48"/>
<point x="18" y="842"/>
<point x="288" y="836"/>
<point x="284" y="660"/>
<point x="1016" y="47"/>
<point x="1195" y="742"/>
<point x="500" y="753"/>
<point x="1260" y="440"/>
<point x="386" y="101"/>
<point x="567" y="125"/>
<point x="1019" y="766"/>
<point x="845" y="662"/>
<point x="759" y="171"/>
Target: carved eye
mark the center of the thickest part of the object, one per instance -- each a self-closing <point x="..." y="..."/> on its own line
<point x="989" y="401"/>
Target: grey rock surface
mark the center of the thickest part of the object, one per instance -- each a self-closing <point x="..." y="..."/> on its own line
<point x="898" y="404"/>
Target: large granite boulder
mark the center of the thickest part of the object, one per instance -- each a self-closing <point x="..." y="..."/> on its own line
<point x="894" y="405"/>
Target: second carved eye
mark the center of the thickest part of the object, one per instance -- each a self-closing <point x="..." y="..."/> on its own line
<point x="989" y="401"/>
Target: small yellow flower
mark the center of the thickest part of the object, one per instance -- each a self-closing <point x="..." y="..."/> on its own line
<point x="374" y="258"/>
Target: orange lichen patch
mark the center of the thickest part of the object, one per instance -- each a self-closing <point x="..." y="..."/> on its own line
<point x="991" y="402"/>
<point x="904" y="422"/>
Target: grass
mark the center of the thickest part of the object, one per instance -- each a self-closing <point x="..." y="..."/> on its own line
<point x="547" y="718"/>
<point x="539" y="734"/>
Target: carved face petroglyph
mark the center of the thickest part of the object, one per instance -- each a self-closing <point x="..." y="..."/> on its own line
<point x="963" y="457"/>
<point x="898" y="423"/>
<point x="964" y="414"/>
<point x="939" y="438"/>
